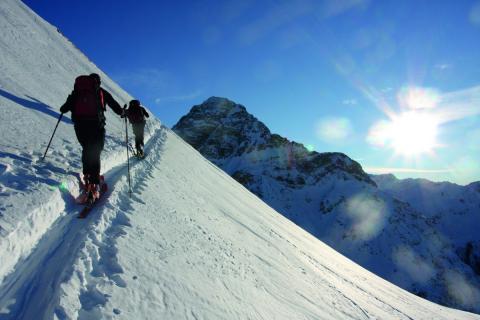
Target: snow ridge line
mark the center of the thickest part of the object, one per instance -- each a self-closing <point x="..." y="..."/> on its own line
<point x="31" y="290"/>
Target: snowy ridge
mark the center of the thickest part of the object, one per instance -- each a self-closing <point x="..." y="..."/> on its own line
<point x="190" y="243"/>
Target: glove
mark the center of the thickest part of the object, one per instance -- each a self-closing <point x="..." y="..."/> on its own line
<point x="124" y="113"/>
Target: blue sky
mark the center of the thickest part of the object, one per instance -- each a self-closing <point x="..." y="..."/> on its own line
<point x="393" y="84"/>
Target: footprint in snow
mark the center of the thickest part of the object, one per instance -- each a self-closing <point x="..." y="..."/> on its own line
<point x="4" y="168"/>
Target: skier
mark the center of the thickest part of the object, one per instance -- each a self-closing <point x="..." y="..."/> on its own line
<point x="136" y="115"/>
<point x="87" y="102"/>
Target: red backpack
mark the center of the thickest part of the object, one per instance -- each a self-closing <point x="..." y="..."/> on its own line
<point x="89" y="99"/>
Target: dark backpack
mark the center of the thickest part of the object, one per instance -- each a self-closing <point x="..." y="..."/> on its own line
<point x="135" y="115"/>
<point x="88" y="99"/>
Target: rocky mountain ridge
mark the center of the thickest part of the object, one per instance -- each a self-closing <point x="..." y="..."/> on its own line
<point x="225" y="131"/>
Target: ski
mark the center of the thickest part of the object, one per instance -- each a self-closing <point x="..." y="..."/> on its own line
<point x="87" y="198"/>
<point x="86" y="209"/>
<point x="91" y="201"/>
<point x="139" y="156"/>
<point x="133" y="150"/>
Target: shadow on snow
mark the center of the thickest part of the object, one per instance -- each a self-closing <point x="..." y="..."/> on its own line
<point x="34" y="104"/>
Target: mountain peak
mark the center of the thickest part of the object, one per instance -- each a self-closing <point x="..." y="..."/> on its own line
<point x="217" y="101"/>
<point x="218" y="105"/>
<point x="225" y="132"/>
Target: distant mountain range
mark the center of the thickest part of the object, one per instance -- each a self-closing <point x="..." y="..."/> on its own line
<point x="422" y="236"/>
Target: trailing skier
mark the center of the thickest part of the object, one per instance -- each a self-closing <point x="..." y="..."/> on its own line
<point x="137" y="116"/>
<point x="88" y="102"/>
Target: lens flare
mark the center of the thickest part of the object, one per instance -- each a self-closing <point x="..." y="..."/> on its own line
<point x="368" y="216"/>
<point x="334" y="130"/>
<point x="310" y="147"/>
<point x="418" y="98"/>
<point x="461" y="290"/>
<point x="408" y="260"/>
<point x="63" y="186"/>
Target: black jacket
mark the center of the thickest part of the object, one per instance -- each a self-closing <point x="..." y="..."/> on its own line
<point x="137" y="114"/>
<point x="107" y="100"/>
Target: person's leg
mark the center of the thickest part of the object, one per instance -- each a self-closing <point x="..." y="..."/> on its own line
<point x="97" y="143"/>
<point x="137" y="143"/>
<point x="90" y="163"/>
<point x="81" y="131"/>
<point x="141" y="131"/>
<point x="138" y="137"/>
<point x="91" y="136"/>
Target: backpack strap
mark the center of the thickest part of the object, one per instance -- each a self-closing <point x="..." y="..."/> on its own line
<point x="102" y="100"/>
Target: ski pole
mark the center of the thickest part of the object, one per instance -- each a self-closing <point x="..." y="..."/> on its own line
<point x="59" y="118"/>
<point x="128" y="159"/>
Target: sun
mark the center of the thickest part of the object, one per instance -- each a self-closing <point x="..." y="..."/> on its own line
<point x="413" y="133"/>
<point x="409" y="134"/>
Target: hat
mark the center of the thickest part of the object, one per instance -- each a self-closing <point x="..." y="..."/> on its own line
<point x="135" y="103"/>
<point x="96" y="77"/>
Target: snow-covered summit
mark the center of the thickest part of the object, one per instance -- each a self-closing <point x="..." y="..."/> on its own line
<point x="219" y="104"/>
<point x="226" y="133"/>
<point x="402" y="230"/>
<point x="189" y="243"/>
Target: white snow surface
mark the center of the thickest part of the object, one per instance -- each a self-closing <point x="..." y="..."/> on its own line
<point x="189" y="243"/>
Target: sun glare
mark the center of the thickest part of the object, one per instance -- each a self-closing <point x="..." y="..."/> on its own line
<point x="413" y="133"/>
<point x="418" y="98"/>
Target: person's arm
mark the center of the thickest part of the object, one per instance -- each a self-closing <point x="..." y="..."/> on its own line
<point x="67" y="106"/>
<point x="145" y="113"/>
<point x="107" y="97"/>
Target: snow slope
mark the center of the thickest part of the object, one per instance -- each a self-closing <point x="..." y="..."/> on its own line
<point x="190" y="243"/>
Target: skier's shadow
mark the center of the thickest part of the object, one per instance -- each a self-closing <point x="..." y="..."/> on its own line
<point x="34" y="104"/>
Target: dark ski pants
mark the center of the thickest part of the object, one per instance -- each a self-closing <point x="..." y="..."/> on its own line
<point x="91" y="136"/>
<point x="138" y="129"/>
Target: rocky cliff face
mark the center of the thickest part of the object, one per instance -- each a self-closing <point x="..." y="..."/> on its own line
<point x="329" y="195"/>
<point x="229" y="136"/>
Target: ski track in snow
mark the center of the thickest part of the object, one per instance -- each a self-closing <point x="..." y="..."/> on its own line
<point x="32" y="291"/>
